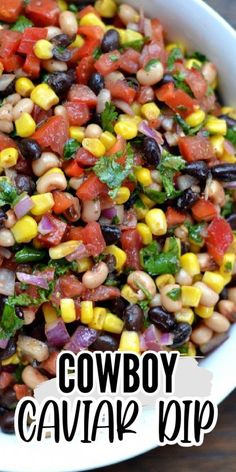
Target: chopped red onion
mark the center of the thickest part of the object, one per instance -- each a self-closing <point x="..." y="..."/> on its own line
<point x="23" y="206"/>
<point x="3" y="342"/>
<point x="130" y="220"/>
<point x="56" y="333"/>
<point x="45" y="226"/>
<point x="7" y="282"/>
<point x="166" y="339"/>
<point x="150" y="132"/>
<point x="4" y="252"/>
<point x="82" y="338"/>
<point x="147" y="28"/>
<point x="32" y="280"/>
<point x="151" y="339"/>
<point x="103" y="97"/>
<point x="124" y="106"/>
<point x="230" y="184"/>
<point x="229" y="147"/>
<point x="109" y="213"/>
<point x="79" y="253"/>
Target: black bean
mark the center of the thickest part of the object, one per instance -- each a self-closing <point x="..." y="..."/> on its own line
<point x="230" y="121"/>
<point x="186" y="200"/>
<point x="118" y="305"/>
<point x="96" y="82"/>
<point x="62" y="40"/>
<point x="7" y="422"/>
<point x="111" y="41"/>
<point x="30" y="149"/>
<point x="181" y="334"/>
<point x="225" y="172"/>
<point x="24" y="183"/>
<point x="198" y="169"/>
<point x="111" y="234"/>
<point x="3" y="217"/>
<point x="105" y="342"/>
<point x="2" y="411"/>
<point x="8" y="90"/>
<point x="132" y="199"/>
<point x="9" y="350"/>
<point x="133" y="318"/>
<point x="151" y="151"/>
<point x="232" y="221"/>
<point x="133" y="83"/>
<point x="61" y="54"/>
<point x="161" y="318"/>
<point x="61" y="82"/>
<point x="8" y="398"/>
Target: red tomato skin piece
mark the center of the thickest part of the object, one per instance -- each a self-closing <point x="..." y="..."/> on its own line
<point x="197" y="83"/>
<point x="10" y="10"/>
<point x="204" y="210"/>
<point x="93" y="238"/>
<point x="82" y="94"/>
<point x="70" y="286"/>
<point x="129" y="61"/>
<point x="101" y="293"/>
<point x="43" y="12"/>
<point x="9" y="42"/>
<point x="32" y="65"/>
<point x="121" y="90"/>
<point x="196" y="148"/>
<point x="6" y="141"/>
<point x="174" y="217"/>
<point x="54" y="238"/>
<point x="29" y="38"/>
<point x="85" y="69"/>
<point x="178" y="100"/>
<point x="12" y="63"/>
<point x="219" y="238"/>
<point x="53" y="134"/>
<point x="91" y="188"/>
<point x="131" y="243"/>
<point x="84" y="158"/>
<point x="106" y="63"/>
<point x="78" y="113"/>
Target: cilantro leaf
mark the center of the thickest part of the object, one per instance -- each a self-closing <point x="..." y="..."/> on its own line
<point x="21" y="24"/>
<point x="72" y="7"/>
<point x="174" y="55"/>
<point x="62" y="266"/>
<point x="97" y="53"/>
<point x="227" y="209"/>
<point x="137" y="44"/>
<point x="144" y="304"/>
<point x="156" y="263"/>
<point x="174" y="294"/>
<point x="231" y="135"/>
<point x="180" y="83"/>
<point x="168" y="166"/>
<point x="108" y="117"/>
<point x="198" y="56"/>
<point x="10" y="322"/>
<point x="7" y="192"/>
<point x="195" y="232"/>
<point x="185" y="127"/>
<point x="157" y="197"/>
<point x="152" y="63"/>
<point x="70" y="148"/>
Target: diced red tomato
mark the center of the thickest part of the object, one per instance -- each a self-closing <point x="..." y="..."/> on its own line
<point x="204" y="210"/>
<point x="86" y="10"/>
<point x="10" y="10"/>
<point x="72" y="169"/>
<point x="9" y="42"/>
<point x="39" y="115"/>
<point x="71" y="286"/>
<point x="91" y="188"/>
<point x="219" y="238"/>
<point x="78" y="113"/>
<point x="85" y="69"/>
<point x="5" y="379"/>
<point x="131" y="243"/>
<point x="129" y="61"/>
<point x="29" y="38"/>
<point x="6" y="142"/>
<point x="197" y="83"/>
<point x="54" y="237"/>
<point x="75" y="233"/>
<point x="32" y="65"/>
<point x="207" y="104"/>
<point x="88" y="48"/>
<point x="82" y="94"/>
<point x="108" y="62"/>
<point x="118" y="146"/>
<point x="53" y="134"/>
<point x="149" y="52"/>
<point x="12" y="63"/>
<point x="121" y="90"/>
<point x="21" y="391"/>
<point x="101" y="293"/>
<point x="23" y="166"/>
<point x="196" y="148"/>
<point x="61" y="202"/>
<point x="94" y="32"/>
<point x="174" y="217"/>
<point x="84" y="158"/>
<point x="43" y="12"/>
<point x="50" y="364"/>
<point x="93" y="238"/>
<point x="157" y="30"/>
<point x="176" y="99"/>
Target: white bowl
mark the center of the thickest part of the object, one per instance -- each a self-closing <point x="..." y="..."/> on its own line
<point x="202" y="29"/>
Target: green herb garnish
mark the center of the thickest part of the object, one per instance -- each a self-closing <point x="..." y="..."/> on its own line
<point x="108" y="117"/>
<point x="113" y="57"/>
<point x="227" y="209"/>
<point x="8" y="193"/>
<point x="62" y="266"/>
<point x="231" y="135"/>
<point x="137" y="44"/>
<point x="198" y="56"/>
<point x="174" y="294"/>
<point x="185" y="127"/>
<point x="156" y="263"/>
<point x="175" y="55"/>
<point x="228" y="266"/>
<point x="70" y="148"/>
<point x="21" y="24"/>
<point x="168" y="167"/>
<point x="195" y="232"/>
<point x="97" y="53"/>
<point x="180" y="83"/>
<point x="152" y="63"/>
<point x="74" y="8"/>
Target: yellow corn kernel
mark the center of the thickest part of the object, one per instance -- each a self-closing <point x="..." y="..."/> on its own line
<point x="190" y="295"/>
<point x="8" y="157"/>
<point x="150" y="111"/>
<point x="216" y="125"/>
<point x="49" y="312"/>
<point x="215" y="84"/>
<point x="78" y="42"/>
<point x="44" y="96"/>
<point x="227" y="264"/>
<point x="24" y="86"/>
<point x="54" y="170"/>
<point x="43" y="49"/>
<point x="68" y="312"/>
<point x="99" y="315"/>
<point x="107" y="139"/>
<point x="192" y="351"/>
<point x="62" y="5"/>
<point x="77" y="132"/>
<point x="128" y="36"/>
<point x="144" y="232"/>
<point x="193" y="63"/>
<point x="140" y="212"/>
<point x="25" y="125"/>
<point x="204" y="311"/>
<point x="84" y="264"/>
<point x="119" y="254"/>
<point x="129" y="341"/>
<point x="126" y="130"/>
<point x="14" y="359"/>
<point x="143" y="176"/>
<point x="217" y="142"/>
<point x="196" y="118"/>
<point x="156" y="221"/>
<point x="189" y="262"/>
<point x="229" y="158"/>
<point x="186" y="315"/>
<point x="136" y="119"/>
<point x="106" y="8"/>
<point x="214" y="281"/>
<point x="91" y="19"/>
<point x="113" y="324"/>
<point x="63" y="249"/>
<point x="25" y="229"/>
<point x="227" y="277"/>
<point x="86" y="315"/>
<point x="122" y="195"/>
<point x="163" y="280"/>
<point x="42" y="203"/>
<point x="95" y="146"/>
<point x="172" y="46"/>
<point x="147" y="201"/>
<point x="129" y="294"/>
<point x="136" y="107"/>
<point x="227" y="110"/>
